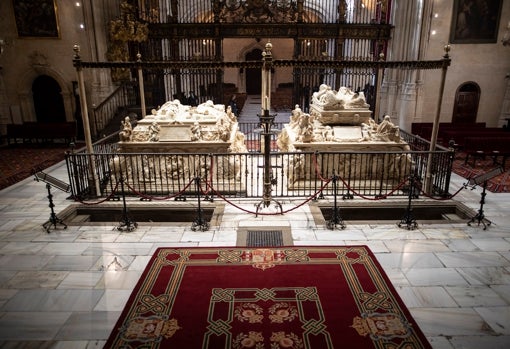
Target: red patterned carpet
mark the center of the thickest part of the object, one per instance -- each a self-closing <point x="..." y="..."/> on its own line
<point x="288" y="297"/>
<point x="478" y="166"/>
<point x="18" y="162"/>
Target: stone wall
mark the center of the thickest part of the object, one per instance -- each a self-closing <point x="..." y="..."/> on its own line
<point x="25" y="58"/>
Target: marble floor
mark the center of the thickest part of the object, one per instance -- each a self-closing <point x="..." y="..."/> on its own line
<point x="67" y="288"/>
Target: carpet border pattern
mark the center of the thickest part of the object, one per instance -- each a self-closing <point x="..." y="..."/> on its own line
<point x="382" y="316"/>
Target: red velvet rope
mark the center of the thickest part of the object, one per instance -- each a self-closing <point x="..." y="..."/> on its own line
<point x="100" y="201"/>
<point x="269" y="214"/>
<point x="439" y="199"/>
<point x="316" y="165"/>
<point x="150" y="197"/>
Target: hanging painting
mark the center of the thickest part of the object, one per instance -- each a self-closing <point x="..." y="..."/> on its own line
<point x="475" y="21"/>
<point x="36" y="18"/>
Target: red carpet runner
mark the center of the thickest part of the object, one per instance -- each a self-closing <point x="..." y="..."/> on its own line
<point x="292" y="297"/>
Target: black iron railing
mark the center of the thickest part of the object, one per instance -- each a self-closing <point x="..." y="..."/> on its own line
<point x="122" y="97"/>
<point x="300" y="174"/>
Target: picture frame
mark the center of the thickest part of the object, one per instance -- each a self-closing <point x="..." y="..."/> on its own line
<point x="36" y="18"/>
<point x="475" y="21"/>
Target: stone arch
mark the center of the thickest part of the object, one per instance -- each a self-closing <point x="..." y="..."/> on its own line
<point x="250" y="47"/>
<point x="249" y="76"/>
<point x="24" y="92"/>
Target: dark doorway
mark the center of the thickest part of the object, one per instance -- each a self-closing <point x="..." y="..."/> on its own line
<point x="465" y="108"/>
<point x="48" y="101"/>
<point x="253" y="75"/>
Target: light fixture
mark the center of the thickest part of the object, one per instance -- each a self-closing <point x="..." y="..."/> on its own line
<point x="433" y="32"/>
<point x="82" y="26"/>
<point x="78" y="4"/>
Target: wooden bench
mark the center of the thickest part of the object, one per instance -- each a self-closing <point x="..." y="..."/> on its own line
<point x="41" y="131"/>
<point x="458" y="136"/>
<point x="424" y="129"/>
<point x="487" y="146"/>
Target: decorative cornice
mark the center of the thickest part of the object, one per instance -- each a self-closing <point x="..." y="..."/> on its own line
<point x="269" y="30"/>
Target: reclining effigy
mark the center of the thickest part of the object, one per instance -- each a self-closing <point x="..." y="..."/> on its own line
<point x="181" y="125"/>
<point x="177" y="128"/>
<point x="341" y="122"/>
<point x="339" y="107"/>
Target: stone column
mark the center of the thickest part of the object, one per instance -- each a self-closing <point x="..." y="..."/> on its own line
<point x="504" y="116"/>
<point x="4" y="107"/>
<point x="97" y="14"/>
<point x="401" y="88"/>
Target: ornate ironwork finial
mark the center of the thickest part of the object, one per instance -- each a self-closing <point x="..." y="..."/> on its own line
<point x="269" y="47"/>
<point x="76" y="49"/>
<point x="447" y="48"/>
<point x="139" y="57"/>
<point x="267" y="56"/>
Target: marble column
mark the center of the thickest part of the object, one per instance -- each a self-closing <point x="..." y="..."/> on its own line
<point x="401" y="88"/>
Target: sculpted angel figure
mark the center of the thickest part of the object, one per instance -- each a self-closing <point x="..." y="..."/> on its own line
<point x="126" y="130"/>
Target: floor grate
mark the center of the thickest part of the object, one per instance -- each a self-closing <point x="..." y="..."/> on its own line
<point x="266" y="238"/>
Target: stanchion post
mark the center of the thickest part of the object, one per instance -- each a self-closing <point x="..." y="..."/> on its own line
<point x="480" y="216"/>
<point x="54" y="220"/>
<point x="49" y="180"/>
<point x="336" y="219"/>
<point x="408" y="219"/>
<point x="199" y="223"/>
<point x="126" y="223"/>
<point x="483" y="178"/>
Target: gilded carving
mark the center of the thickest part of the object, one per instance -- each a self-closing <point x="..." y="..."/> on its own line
<point x="257" y="11"/>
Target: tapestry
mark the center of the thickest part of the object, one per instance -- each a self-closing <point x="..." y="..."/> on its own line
<point x="287" y="297"/>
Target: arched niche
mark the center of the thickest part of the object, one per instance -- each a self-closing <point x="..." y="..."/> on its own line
<point x="465" y="107"/>
<point x="25" y="93"/>
<point x="48" y="101"/>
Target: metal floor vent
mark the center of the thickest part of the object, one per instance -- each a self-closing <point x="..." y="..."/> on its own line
<point x="265" y="238"/>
